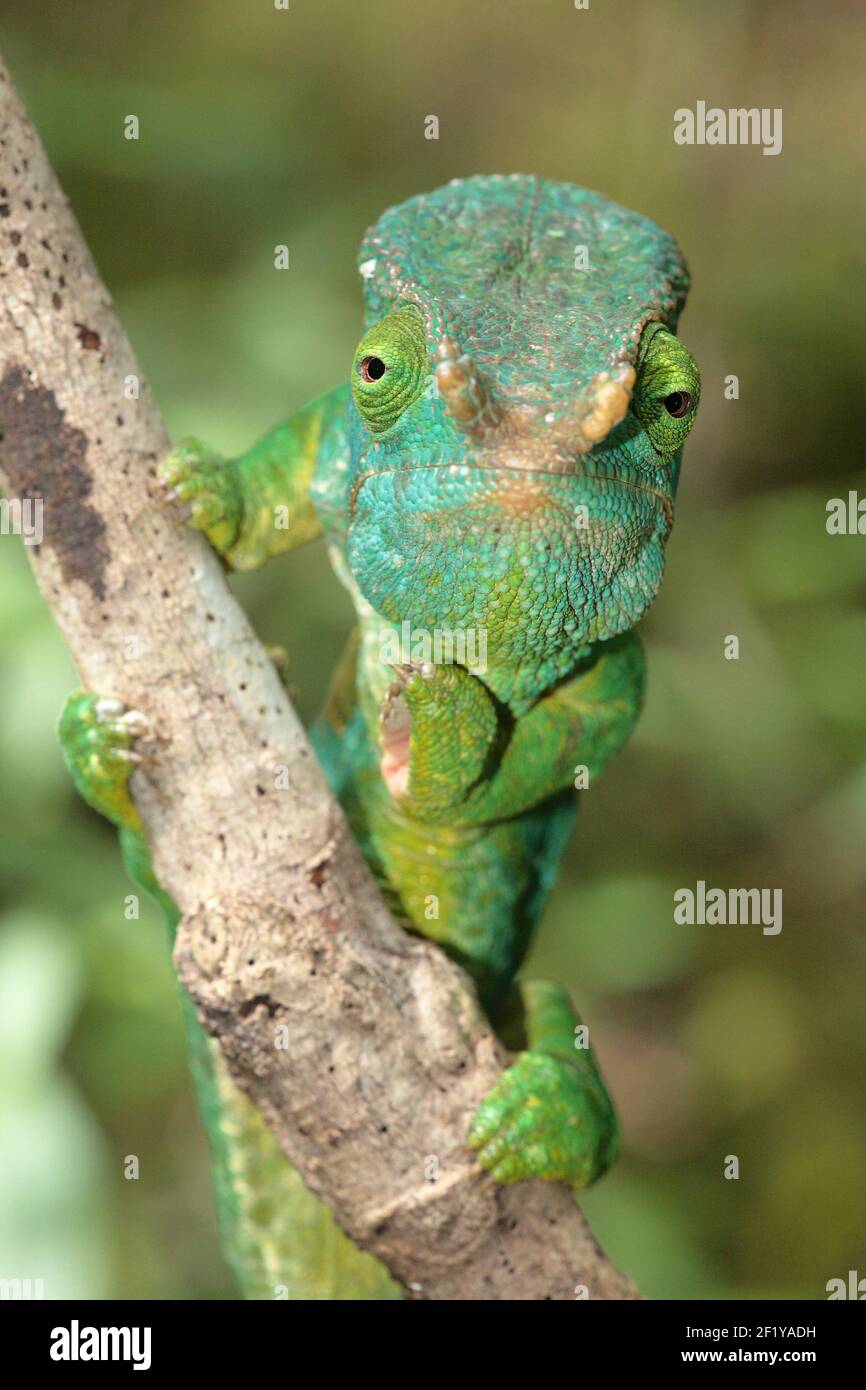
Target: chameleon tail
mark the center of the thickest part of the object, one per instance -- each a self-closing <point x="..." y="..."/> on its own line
<point x="280" y="1240"/>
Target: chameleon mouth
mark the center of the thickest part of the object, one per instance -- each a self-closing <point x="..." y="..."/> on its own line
<point x="519" y="465"/>
<point x="538" y="563"/>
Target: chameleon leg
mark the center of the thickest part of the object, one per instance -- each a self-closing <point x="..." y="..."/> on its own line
<point x="467" y="839"/>
<point x="477" y="891"/>
<point x="549" y="1116"/>
<point x="451" y="754"/>
<point x="258" y="504"/>
<point x="278" y="1238"/>
<point x="581" y="724"/>
<point x="438" y="726"/>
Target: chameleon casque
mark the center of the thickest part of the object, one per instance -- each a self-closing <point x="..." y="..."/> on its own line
<point x="503" y="461"/>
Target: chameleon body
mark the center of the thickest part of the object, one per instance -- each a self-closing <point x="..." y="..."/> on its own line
<point x="496" y="480"/>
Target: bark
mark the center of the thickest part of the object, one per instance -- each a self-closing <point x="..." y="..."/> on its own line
<point x="389" y="1053"/>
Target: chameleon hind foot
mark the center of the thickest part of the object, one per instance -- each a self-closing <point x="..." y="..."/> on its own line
<point x="97" y="738"/>
<point x="543" y="1120"/>
<point x="549" y="1115"/>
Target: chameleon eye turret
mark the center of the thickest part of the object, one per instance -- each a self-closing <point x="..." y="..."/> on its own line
<point x="667" y="391"/>
<point x="391" y="368"/>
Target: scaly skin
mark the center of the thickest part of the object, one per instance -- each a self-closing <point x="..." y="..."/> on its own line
<point x="502" y="465"/>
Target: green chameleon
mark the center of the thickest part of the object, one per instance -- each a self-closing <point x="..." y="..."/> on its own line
<point x="496" y="479"/>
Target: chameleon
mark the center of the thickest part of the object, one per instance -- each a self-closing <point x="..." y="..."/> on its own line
<point x="495" y="484"/>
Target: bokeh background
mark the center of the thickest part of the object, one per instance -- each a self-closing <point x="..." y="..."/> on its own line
<point x="261" y="127"/>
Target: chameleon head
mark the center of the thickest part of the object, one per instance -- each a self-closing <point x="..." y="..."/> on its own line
<point x="520" y="406"/>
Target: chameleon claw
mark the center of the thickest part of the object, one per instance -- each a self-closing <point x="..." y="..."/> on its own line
<point x="106" y="709"/>
<point x="114" y="712"/>
<point x="162" y="494"/>
<point x="135" y="723"/>
<point x="404" y="671"/>
<point x="277" y="655"/>
<point x="393" y="711"/>
<point x="128" y="755"/>
<point x="407" y="671"/>
<point x="169" y="497"/>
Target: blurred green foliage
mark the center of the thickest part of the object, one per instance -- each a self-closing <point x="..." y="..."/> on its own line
<point x="261" y="127"/>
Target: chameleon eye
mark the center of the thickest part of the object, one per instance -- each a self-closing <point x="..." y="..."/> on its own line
<point x="667" y="389"/>
<point x="391" y="368"/>
<point x="678" y="404"/>
<point x="372" y="368"/>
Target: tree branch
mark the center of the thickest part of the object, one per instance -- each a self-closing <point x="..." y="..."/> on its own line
<point x="389" y="1052"/>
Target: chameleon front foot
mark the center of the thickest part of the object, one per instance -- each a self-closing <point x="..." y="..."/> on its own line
<point x="97" y="738"/>
<point x="196" y="480"/>
<point x="436" y="727"/>
<point x="546" y="1117"/>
